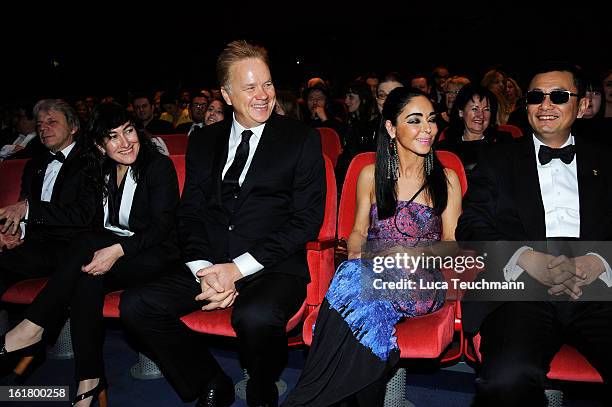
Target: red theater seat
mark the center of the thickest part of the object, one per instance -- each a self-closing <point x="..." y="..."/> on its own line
<point x="568" y="364"/>
<point x="508" y="128"/>
<point x="176" y="143"/>
<point x="330" y="143"/>
<point x="10" y="181"/>
<point x="423" y="337"/>
<point x="320" y="256"/>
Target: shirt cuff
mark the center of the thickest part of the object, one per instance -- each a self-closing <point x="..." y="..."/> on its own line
<point x="512" y="270"/>
<point x="606" y="276"/>
<point x="247" y="264"/>
<point x="197" y="265"/>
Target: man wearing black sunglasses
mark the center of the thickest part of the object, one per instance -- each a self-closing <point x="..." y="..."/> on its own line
<point x="554" y="190"/>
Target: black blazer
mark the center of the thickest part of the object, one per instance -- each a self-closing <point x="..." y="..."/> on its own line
<point x="280" y="206"/>
<point x="75" y="203"/>
<point x="152" y="216"/>
<point x="504" y="203"/>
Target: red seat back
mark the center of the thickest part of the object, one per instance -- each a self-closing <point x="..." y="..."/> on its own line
<point x="176" y="143"/>
<point x="348" y="200"/>
<point x="330" y="143"/>
<point x="515" y="131"/>
<point x="179" y="165"/>
<point x="10" y="181"/>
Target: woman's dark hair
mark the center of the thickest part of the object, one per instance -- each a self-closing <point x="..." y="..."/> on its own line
<point x="386" y="189"/>
<point x="366" y="102"/>
<point x="466" y="94"/>
<point x="104" y="118"/>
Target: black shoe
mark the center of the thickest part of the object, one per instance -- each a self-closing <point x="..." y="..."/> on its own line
<point x="219" y="392"/>
<point x="98" y="393"/>
<point x="19" y="361"/>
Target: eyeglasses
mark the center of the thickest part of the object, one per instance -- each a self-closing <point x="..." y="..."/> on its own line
<point x="382" y="96"/>
<point x="558" y="97"/>
<point x="199" y="105"/>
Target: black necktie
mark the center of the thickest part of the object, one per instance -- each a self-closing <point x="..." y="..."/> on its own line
<point x="242" y="153"/>
<point x="59" y="156"/>
<point x="566" y="154"/>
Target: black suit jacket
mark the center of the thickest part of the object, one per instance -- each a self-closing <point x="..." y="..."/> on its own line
<point x="280" y="206"/>
<point x="504" y="203"/>
<point x="75" y="202"/>
<point x="152" y="215"/>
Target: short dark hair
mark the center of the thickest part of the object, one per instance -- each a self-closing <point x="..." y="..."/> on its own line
<point x="562" y="66"/>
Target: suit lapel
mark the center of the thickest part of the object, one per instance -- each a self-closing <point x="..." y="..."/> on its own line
<point x="220" y="158"/>
<point x="588" y="188"/>
<point x="528" y="197"/>
<point x="38" y="178"/>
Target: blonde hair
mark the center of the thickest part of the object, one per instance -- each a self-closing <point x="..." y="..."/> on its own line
<point x="237" y="51"/>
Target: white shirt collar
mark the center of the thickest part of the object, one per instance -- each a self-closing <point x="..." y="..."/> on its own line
<point x="537" y="144"/>
<point x="66" y="150"/>
<point x="238" y="128"/>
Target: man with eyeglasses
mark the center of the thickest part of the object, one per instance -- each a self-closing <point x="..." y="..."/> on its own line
<point x="197" y="108"/>
<point x="554" y="190"/>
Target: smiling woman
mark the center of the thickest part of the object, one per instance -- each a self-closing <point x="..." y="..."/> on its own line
<point x="133" y="244"/>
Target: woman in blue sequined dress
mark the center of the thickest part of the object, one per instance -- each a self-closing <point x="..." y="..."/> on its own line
<point x="406" y="203"/>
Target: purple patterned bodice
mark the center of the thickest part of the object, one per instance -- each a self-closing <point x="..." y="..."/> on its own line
<point x="414" y="224"/>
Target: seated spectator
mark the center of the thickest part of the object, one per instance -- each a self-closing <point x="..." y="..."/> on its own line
<point x="197" y="109"/>
<point x="287" y="104"/>
<point x="146" y="120"/>
<point x="22" y="141"/>
<point x="319" y="114"/>
<point x="171" y="110"/>
<point x="216" y="112"/>
<point x="473" y="125"/>
<point x="134" y="244"/>
<point x="593" y="124"/>
<point x="453" y="85"/>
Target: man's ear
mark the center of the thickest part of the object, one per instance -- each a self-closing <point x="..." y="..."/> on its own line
<point x="582" y="107"/>
<point x="226" y="95"/>
<point x="390" y="128"/>
<point x="461" y="113"/>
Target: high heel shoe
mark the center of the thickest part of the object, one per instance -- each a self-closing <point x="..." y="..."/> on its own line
<point x="19" y="360"/>
<point x="97" y="393"/>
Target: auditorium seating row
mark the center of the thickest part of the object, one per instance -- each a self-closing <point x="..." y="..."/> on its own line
<point x="437" y="336"/>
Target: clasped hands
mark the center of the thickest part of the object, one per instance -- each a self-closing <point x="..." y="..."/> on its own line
<point x="562" y="274"/>
<point x="218" y="285"/>
<point x="13" y="214"/>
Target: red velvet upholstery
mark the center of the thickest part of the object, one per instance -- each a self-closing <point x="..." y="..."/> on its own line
<point x="176" y="143"/>
<point x="442" y="135"/>
<point x="179" y="165"/>
<point x="10" y="181"/>
<point x="568" y="364"/>
<point x="320" y="256"/>
<point x="423" y="337"/>
<point x="515" y="131"/>
<point x="24" y="291"/>
<point x="330" y="143"/>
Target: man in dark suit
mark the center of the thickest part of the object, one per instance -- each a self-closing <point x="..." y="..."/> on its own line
<point x="56" y="200"/>
<point x="254" y="196"/>
<point x="554" y="190"/>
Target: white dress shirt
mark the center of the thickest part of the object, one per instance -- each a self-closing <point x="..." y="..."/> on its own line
<point x="559" y="188"/>
<point x="53" y="168"/>
<point x="195" y="126"/>
<point x="246" y="263"/>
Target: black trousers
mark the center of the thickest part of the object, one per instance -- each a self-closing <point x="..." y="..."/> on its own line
<point x="34" y="258"/>
<point x="83" y="294"/>
<point x="260" y="314"/>
<point x="520" y="339"/>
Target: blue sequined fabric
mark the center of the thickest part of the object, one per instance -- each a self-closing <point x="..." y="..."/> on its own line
<point x="371" y="319"/>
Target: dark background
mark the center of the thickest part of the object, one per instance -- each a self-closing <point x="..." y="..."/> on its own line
<point x="106" y="49"/>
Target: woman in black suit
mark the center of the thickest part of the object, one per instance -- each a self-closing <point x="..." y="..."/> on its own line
<point x="136" y="244"/>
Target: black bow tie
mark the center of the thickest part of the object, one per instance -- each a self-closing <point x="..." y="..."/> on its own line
<point x="59" y="156"/>
<point x="566" y="154"/>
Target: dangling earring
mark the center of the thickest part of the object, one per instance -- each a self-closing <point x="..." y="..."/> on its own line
<point x="393" y="162"/>
<point x="429" y="162"/>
